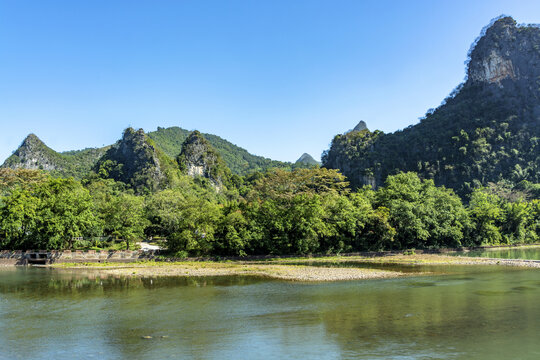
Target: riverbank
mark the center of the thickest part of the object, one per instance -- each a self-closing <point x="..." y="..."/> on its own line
<point x="294" y="269"/>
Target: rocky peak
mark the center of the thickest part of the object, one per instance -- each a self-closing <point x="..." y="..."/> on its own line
<point x="360" y="126"/>
<point x="503" y="51"/>
<point x="133" y="141"/>
<point x="32" y="154"/>
<point x="133" y="160"/>
<point x="199" y="158"/>
<point x="501" y="94"/>
<point x="32" y="141"/>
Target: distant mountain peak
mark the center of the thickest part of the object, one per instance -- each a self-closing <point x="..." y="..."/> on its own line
<point x="361" y="126"/>
<point x="238" y="160"/>
<point x="307" y="159"/>
<point x="165" y="142"/>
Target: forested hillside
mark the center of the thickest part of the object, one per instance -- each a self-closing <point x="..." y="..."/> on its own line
<point x="239" y="160"/>
<point x="487" y="130"/>
<point x="135" y="160"/>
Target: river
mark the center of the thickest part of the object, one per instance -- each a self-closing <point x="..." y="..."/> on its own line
<point x="463" y="312"/>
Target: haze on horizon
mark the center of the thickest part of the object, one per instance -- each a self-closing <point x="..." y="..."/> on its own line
<point x="278" y="78"/>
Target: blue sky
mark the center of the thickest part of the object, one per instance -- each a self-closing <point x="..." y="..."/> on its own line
<point x="278" y="78"/>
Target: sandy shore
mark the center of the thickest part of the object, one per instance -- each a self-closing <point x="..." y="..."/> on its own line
<point x="296" y="269"/>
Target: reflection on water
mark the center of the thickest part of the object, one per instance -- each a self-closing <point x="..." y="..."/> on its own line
<point x="475" y="312"/>
<point x="528" y="253"/>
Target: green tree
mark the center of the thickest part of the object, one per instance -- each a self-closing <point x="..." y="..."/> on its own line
<point x="46" y="215"/>
<point x="123" y="217"/>
<point x="295" y="212"/>
<point x="422" y="214"/>
<point x="519" y="224"/>
<point x="234" y="235"/>
<point x="64" y="212"/>
<point x="17" y="219"/>
<point x="486" y="212"/>
<point x="186" y="219"/>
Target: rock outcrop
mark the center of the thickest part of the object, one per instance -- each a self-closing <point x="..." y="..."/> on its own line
<point x="33" y="154"/>
<point x="238" y="160"/>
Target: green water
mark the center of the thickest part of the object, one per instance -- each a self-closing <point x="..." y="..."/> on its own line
<point x="529" y="253"/>
<point x="462" y="313"/>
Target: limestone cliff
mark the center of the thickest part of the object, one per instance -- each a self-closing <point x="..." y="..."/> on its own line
<point x="199" y="159"/>
<point x="505" y="51"/>
<point x="33" y="154"/>
<point x="238" y="160"/>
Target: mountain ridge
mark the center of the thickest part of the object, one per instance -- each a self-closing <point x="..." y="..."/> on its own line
<point x="35" y="154"/>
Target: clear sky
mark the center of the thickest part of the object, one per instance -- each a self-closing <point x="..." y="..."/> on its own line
<point x="278" y="78"/>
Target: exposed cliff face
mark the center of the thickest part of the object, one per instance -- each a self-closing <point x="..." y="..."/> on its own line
<point x="486" y="131"/>
<point x="505" y="51"/>
<point x="493" y="69"/>
<point x="134" y="160"/>
<point x="199" y="159"/>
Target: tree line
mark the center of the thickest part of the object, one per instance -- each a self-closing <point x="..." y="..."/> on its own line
<point x="274" y="212"/>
